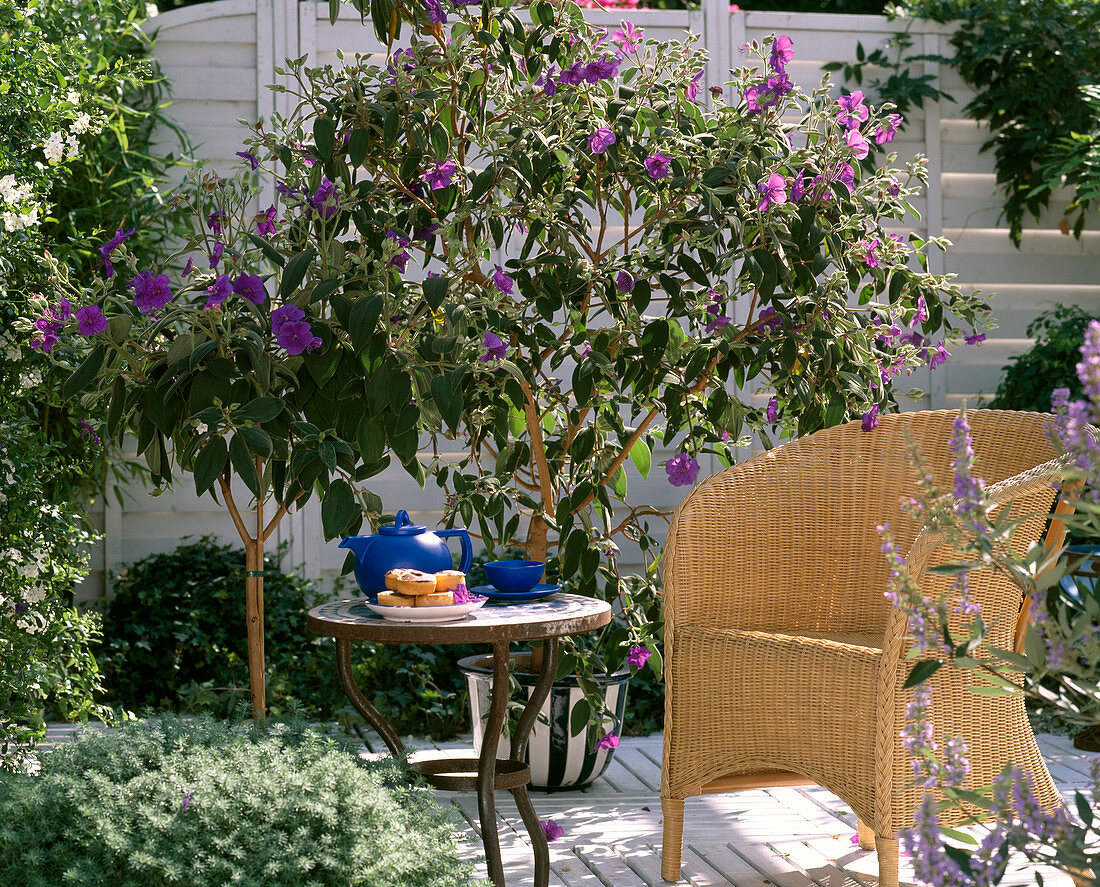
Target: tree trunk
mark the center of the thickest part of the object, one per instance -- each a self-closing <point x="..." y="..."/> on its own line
<point x="254" y="616"/>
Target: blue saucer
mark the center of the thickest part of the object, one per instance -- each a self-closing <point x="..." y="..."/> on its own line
<point x="515" y="597"/>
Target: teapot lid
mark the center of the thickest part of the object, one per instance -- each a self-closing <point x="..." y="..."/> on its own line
<point x="402" y="526"/>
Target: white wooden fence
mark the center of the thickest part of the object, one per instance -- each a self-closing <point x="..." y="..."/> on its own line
<point x="218" y="58"/>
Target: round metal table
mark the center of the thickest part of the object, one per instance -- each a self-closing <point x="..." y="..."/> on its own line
<point x="548" y="619"/>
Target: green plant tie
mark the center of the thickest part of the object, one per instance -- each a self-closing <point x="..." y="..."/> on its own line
<point x="249" y="574"/>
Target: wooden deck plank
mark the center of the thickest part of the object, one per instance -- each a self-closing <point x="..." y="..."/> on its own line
<point x="608" y="866"/>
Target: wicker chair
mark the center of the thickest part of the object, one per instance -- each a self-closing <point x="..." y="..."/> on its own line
<point x="785" y="663"/>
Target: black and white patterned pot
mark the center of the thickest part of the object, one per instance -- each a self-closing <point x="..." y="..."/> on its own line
<point x="557" y="759"/>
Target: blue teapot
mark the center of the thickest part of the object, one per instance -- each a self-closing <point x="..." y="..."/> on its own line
<point x="404" y="544"/>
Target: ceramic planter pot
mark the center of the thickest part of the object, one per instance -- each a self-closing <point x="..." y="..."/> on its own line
<point x="557" y="759"/>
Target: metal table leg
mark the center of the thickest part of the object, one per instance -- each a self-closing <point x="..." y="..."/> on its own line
<point x="519" y="747"/>
<point x="361" y="703"/>
<point x="487" y="763"/>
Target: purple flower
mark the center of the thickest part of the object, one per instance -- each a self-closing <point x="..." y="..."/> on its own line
<point x="216" y="254"/>
<point x="608" y="741"/>
<point x="436" y="14"/>
<point x="975" y="338"/>
<point x="602" y="139"/>
<point x="502" y="281"/>
<point x="769" y="320"/>
<point x="638" y="656"/>
<point x="284" y="315"/>
<point x="90" y="320"/>
<point x="857" y="144"/>
<point x="572" y="76"/>
<point x="798" y="187"/>
<point x="547" y="82"/>
<point x="627" y="38"/>
<point x="884" y="134"/>
<point x="656" y="164"/>
<point x="251" y="287"/>
<point x="682" y="470"/>
<point x="441" y="176"/>
<point x="495" y="348"/>
<point x="251" y="158"/>
<point x="773" y="411"/>
<point x="870" y="418"/>
<point x="601" y="69"/>
<point x="871" y="259"/>
<point x="551" y="829"/>
<point x="265" y="222"/>
<point x="401" y="259"/>
<point x="187" y="797"/>
<point x="894" y="188"/>
<point x="624" y="282"/>
<point x="462" y="594"/>
<point x="110" y="246"/>
<point x="939" y="356"/>
<point x="216" y="220"/>
<point x="325" y="199"/>
<point x="782" y="53"/>
<point x="714" y="309"/>
<point x="693" y="88"/>
<point x="852" y="110"/>
<point x="86" y="430"/>
<point x="772" y="192"/>
<point x="189" y="267"/>
<point x="150" y="293"/>
<point x="219" y="291"/>
<point x="297" y="336"/>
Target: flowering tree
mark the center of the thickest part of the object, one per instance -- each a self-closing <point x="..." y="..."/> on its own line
<point x="1058" y="667"/>
<point x="529" y="240"/>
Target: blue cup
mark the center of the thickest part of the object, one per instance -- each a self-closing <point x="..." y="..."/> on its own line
<point x="514" y="576"/>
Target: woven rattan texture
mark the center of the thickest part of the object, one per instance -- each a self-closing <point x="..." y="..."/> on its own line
<point x="781" y="650"/>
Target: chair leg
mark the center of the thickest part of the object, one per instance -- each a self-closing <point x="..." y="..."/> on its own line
<point x="866" y="835"/>
<point x="672" y="841"/>
<point x="887" y="847"/>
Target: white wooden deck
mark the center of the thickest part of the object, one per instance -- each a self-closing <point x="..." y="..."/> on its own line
<point x="787" y="837"/>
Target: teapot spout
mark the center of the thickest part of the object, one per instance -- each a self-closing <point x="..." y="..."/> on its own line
<point x="358" y="544"/>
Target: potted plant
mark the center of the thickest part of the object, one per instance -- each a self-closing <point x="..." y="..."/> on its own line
<point x="527" y="241"/>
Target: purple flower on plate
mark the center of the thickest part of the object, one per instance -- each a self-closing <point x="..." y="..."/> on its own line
<point x="251" y="287"/>
<point x="250" y="158"/>
<point x="682" y="470"/>
<point x="772" y="192"/>
<point x="551" y="829"/>
<point x="782" y="53"/>
<point x="773" y="411"/>
<point x="502" y="281"/>
<point x="110" y="246"/>
<point x="495" y="348"/>
<point x="639" y="656"/>
<point x="657" y="165"/>
<point x="602" y="139"/>
<point x="216" y="220"/>
<point x="90" y="320"/>
<point x="284" y="315"/>
<point x="624" y="282"/>
<point x="297" y="336"/>
<point x="151" y="293"/>
<point x="265" y="222"/>
<point x="870" y="418"/>
<point x="219" y="291"/>
<point x="441" y="175"/>
<point x="216" y="254"/>
<point x="608" y="741"/>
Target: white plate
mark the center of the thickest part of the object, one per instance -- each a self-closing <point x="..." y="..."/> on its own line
<point x="425" y="614"/>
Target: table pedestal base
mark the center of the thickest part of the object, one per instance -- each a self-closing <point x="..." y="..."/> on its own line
<point x="457" y="774"/>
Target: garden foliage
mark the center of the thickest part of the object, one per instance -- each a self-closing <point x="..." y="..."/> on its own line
<point x="205" y="804"/>
<point x="536" y="243"/>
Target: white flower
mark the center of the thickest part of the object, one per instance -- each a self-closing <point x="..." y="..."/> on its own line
<point x="12" y="221"/>
<point x="73" y="145"/>
<point x="34" y="593"/>
<point x="151" y="10"/>
<point x="202" y="428"/>
<point x="8" y="188"/>
<point x="54" y="148"/>
<point x="73" y="97"/>
<point x="81" y="124"/>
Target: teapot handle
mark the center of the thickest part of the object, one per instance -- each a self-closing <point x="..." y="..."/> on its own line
<point x="467" y="546"/>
